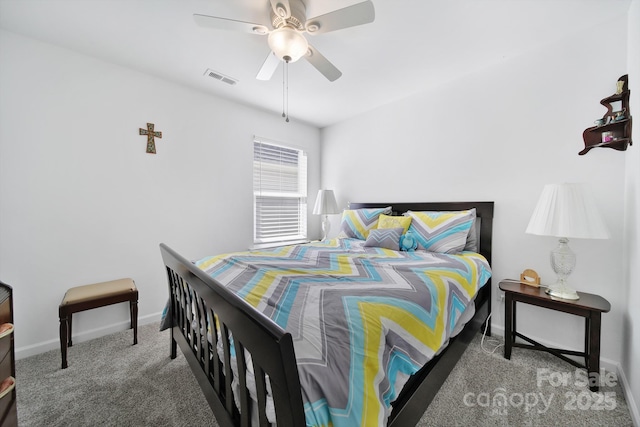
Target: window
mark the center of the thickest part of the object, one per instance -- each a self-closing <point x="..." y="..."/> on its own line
<point x="279" y="193"/>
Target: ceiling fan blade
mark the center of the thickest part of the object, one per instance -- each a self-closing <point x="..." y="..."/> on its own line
<point x="358" y="14"/>
<point x="229" y="24"/>
<point x="269" y="67"/>
<point x="322" y="64"/>
<point x="281" y="8"/>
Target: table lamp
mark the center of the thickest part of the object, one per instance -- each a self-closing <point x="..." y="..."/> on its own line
<point x="566" y="211"/>
<point x="325" y="205"/>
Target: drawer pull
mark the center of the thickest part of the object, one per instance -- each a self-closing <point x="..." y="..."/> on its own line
<point x="6" y="386"/>
<point x="6" y="329"/>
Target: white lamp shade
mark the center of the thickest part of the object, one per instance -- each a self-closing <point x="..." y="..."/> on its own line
<point x="288" y="44"/>
<point x="567" y="210"/>
<point x="325" y="203"/>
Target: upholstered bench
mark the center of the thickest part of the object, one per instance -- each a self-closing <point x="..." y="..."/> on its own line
<point x="86" y="297"/>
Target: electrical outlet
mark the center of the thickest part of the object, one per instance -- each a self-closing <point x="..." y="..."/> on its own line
<point x="500" y="296"/>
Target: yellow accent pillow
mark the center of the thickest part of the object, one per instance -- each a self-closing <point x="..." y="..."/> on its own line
<point x="386" y="221"/>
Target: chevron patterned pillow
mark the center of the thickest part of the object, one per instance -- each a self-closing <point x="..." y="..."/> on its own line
<point x="444" y="232"/>
<point x="388" y="238"/>
<point x="356" y="223"/>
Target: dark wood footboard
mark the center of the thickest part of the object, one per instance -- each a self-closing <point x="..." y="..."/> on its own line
<point x="207" y="316"/>
<point x="196" y="301"/>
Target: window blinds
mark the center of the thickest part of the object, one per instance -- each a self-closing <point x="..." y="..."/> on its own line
<point x="280" y="193"/>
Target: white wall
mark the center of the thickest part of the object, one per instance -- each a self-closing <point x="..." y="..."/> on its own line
<point x="501" y="134"/>
<point x="631" y="321"/>
<point x="80" y="200"/>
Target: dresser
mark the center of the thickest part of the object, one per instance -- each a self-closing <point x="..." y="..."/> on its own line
<point x="8" y="413"/>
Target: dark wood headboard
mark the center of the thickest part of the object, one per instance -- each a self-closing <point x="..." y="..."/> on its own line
<point x="484" y="211"/>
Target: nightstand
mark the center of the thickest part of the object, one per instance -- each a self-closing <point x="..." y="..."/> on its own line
<point x="589" y="306"/>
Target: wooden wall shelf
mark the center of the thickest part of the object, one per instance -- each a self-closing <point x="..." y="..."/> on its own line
<point x="614" y="129"/>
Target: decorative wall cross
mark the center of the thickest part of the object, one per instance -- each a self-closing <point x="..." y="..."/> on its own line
<point x="151" y="143"/>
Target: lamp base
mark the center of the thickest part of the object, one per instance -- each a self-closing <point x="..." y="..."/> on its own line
<point x="563" y="261"/>
<point x="326" y="226"/>
<point x="563" y="293"/>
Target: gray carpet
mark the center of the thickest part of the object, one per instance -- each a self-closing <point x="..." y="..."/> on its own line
<point x="110" y="382"/>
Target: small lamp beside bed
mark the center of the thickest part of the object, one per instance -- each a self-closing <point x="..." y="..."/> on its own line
<point x="566" y="211"/>
<point x="325" y="205"/>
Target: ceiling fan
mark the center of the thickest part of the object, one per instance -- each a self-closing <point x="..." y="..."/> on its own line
<point x="286" y="32"/>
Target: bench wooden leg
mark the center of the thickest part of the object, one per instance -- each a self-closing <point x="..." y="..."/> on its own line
<point x="133" y="306"/>
<point x="64" y="327"/>
<point x="69" y="329"/>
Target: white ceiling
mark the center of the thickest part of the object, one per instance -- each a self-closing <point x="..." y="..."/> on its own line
<point x="411" y="46"/>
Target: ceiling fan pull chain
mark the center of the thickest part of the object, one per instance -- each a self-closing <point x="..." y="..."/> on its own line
<point x="286" y="66"/>
<point x="285" y="91"/>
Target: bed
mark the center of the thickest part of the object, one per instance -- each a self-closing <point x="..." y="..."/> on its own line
<point x="260" y="361"/>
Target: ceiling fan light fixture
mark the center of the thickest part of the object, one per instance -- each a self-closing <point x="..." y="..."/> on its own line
<point x="288" y="44"/>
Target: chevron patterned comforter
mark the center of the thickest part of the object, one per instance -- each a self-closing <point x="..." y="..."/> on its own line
<point x="363" y="319"/>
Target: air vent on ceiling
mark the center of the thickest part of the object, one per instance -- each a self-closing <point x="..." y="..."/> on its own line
<point x="219" y="76"/>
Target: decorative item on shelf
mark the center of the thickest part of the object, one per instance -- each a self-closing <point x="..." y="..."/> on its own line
<point x="530" y="277"/>
<point x="6" y="329"/>
<point x="619" y="115"/>
<point x="6" y="386"/>
<point x="151" y="134"/>
<point x="622" y="85"/>
<point x="325" y="205"/>
<point x="613" y="130"/>
<point x="607" y="136"/>
<point x="566" y="211"/>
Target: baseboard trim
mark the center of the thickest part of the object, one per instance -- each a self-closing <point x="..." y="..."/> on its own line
<point x="628" y="395"/>
<point x="32" y="350"/>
